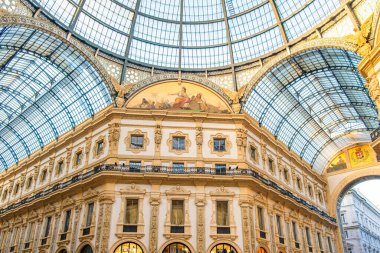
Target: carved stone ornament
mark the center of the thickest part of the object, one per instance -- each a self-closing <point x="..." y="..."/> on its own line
<point x="241" y="137"/>
<point x="199" y="136"/>
<point x="157" y="135"/>
<point x="128" y="141"/>
<point x="179" y="151"/>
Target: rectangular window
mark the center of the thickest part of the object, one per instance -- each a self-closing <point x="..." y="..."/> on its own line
<point x="279" y="225"/>
<point x="131" y="211"/>
<point x="60" y="167"/>
<point x="329" y="243"/>
<point x="219" y="144"/>
<point x="28" y="232"/>
<point x="320" y="241"/>
<point x="43" y="178"/>
<point x="286" y="175"/>
<point x="47" y="226"/>
<point x="346" y="234"/>
<point x="29" y="183"/>
<point x="270" y="164"/>
<point x="178" y="167"/>
<point x="308" y="236"/>
<point x="177" y="215"/>
<point x="295" y="237"/>
<point x="137" y="141"/>
<point x="178" y="143"/>
<point x="253" y="153"/>
<point x="220" y="169"/>
<point x="67" y="221"/>
<point x="135" y="166"/>
<point x="260" y="216"/>
<point x="222" y="213"/>
<point x="90" y="211"/>
<point x="100" y="147"/>
<point x="343" y="218"/>
<point x="78" y="158"/>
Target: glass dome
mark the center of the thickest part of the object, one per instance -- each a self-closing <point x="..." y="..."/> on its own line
<point x="188" y="34"/>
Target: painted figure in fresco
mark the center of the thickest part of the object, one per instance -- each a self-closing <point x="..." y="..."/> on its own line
<point x="182" y="100"/>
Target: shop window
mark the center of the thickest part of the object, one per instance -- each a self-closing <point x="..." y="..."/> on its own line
<point x="129" y="247"/>
<point x="223" y="248"/>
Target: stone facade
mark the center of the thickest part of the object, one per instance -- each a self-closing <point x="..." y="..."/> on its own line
<point x="361" y="223"/>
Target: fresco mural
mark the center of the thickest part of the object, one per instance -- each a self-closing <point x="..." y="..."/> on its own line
<point x="360" y="156"/>
<point x="338" y="163"/>
<point x="173" y="95"/>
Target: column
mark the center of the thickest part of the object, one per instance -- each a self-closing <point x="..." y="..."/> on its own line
<point x="153" y="235"/>
<point x="246" y="221"/>
<point x="200" y="203"/>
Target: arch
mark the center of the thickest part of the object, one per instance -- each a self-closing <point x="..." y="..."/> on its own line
<point x="62" y="249"/>
<point x="189" y="95"/>
<point x="44" y="77"/>
<point x="311" y="98"/>
<point x="83" y="245"/>
<point x="180" y="241"/>
<point x="170" y="77"/>
<point x="337" y="43"/>
<point x="221" y="241"/>
<point x="46" y="27"/>
<point x="261" y="249"/>
<point x="337" y="194"/>
<point x="124" y="241"/>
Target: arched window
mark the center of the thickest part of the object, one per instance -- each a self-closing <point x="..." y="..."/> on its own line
<point x="223" y="248"/>
<point x="63" y="251"/>
<point x="128" y="247"/>
<point x="261" y="250"/>
<point x="176" y="248"/>
<point x="86" y="249"/>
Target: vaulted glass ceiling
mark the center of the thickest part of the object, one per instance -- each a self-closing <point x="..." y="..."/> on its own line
<point x="316" y="103"/>
<point x="46" y="89"/>
<point x="187" y="34"/>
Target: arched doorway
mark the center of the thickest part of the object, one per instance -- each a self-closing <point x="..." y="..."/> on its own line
<point x="176" y="247"/>
<point x="223" y="248"/>
<point x="86" y="249"/>
<point x="261" y="250"/>
<point x="129" y="247"/>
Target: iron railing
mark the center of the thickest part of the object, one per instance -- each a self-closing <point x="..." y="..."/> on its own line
<point x="167" y="170"/>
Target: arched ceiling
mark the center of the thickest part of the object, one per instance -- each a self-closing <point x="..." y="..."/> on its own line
<point x="46" y="89"/>
<point x="188" y="34"/>
<point x="316" y="103"/>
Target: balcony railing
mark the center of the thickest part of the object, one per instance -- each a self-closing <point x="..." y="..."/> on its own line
<point x="166" y="170"/>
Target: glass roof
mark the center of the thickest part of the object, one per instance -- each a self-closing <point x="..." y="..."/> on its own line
<point x="316" y="103"/>
<point x="46" y="89"/>
<point x="187" y="34"/>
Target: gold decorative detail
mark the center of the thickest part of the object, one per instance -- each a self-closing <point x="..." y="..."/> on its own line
<point x="235" y="96"/>
<point x="98" y="153"/>
<point x="157" y="135"/>
<point x="199" y="136"/>
<point x="128" y="140"/>
<point x="187" y="143"/>
<point x="114" y="136"/>
<point x="361" y="38"/>
<point x="241" y="137"/>
<point x="228" y="144"/>
<point x="121" y="91"/>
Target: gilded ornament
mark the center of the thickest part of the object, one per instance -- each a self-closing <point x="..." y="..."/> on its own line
<point x="235" y="96"/>
<point x="361" y="37"/>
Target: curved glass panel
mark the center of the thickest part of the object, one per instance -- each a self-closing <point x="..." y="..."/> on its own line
<point x="223" y="248"/>
<point x="187" y="34"/>
<point x="46" y="89"/>
<point x="129" y="247"/>
<point x="316" y="103"/>
<point x="176" y="247"/>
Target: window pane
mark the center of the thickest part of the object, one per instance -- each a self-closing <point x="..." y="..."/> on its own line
<point x="179" y="143"/>
<point x="222" y="213"/>
<point x="90" y="210"/>
<point x="137" y="141"/>
<point x="260" y="215"/>
<point x="177" y="217"/>
<point x="131" y="213"/>
<point x="67" y="221"/>
<point x="219" y="144"/>
<point x="47" y="226"/>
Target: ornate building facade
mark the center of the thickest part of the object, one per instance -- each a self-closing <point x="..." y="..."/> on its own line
<point x="184" y="126"/>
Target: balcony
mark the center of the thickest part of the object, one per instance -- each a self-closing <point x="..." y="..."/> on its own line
<point x="164" y="170"/>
